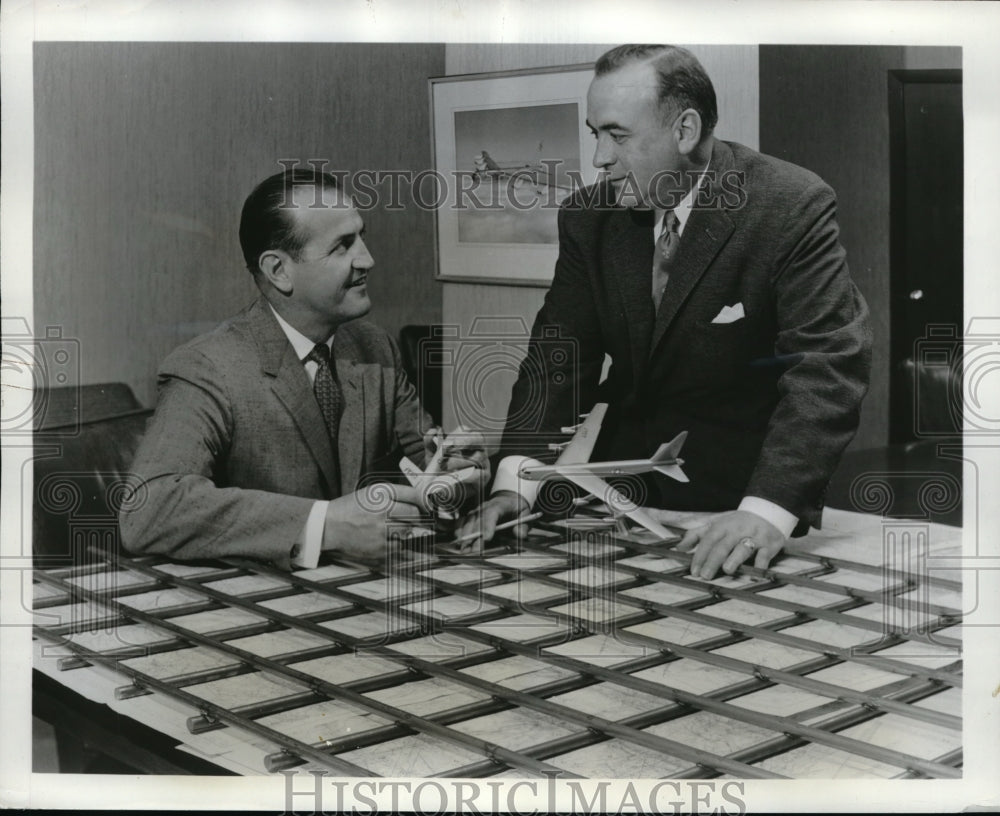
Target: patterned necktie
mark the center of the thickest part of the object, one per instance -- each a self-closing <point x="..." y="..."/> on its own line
<point x="326" y="390"/>
<point x="666" y="249"/>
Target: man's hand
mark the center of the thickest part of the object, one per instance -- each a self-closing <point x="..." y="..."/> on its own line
<point x="728" y="539"/>
<point x="357" y="524"/>
<point x="482" y="522"/>
<point x="685" y="519"/>
<point x="462" y="449"/>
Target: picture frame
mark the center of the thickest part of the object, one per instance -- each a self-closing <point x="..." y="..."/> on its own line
<point x="509" y="147"/>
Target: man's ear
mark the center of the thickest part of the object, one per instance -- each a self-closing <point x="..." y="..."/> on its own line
<point x="687" y="131"/>
<point x="275" y="269"/>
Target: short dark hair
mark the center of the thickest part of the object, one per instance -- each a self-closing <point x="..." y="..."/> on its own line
<point x="266" y="221"/>
<point x="682" y="79"/>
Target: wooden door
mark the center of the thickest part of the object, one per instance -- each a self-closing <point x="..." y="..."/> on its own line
<point x="925" y="126"/>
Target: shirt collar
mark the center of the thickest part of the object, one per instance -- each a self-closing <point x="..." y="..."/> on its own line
<point x="683" y="208"/>
<point x="302" y="344"/>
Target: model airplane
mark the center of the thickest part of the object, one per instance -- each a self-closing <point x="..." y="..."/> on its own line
<point x="436" y="487"/>
<point x="574" y="466"/>
<point x="665" y="460"/>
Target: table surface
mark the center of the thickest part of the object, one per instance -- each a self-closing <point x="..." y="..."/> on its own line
<point x="583" y="653"/>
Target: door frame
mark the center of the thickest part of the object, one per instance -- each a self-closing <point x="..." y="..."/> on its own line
<point x="944" y="338"/>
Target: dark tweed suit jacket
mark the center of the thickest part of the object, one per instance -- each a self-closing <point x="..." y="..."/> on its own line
<point x="769" y="400"/>
<point x="237" y="451"/>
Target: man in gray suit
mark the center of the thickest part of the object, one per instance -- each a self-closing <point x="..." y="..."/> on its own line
<point x="714" y="277"/>
<point x="265" y="426"/>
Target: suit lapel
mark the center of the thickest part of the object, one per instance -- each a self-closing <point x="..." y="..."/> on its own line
<point x="707" y="230"/>
<point x="290" y="384"/>
<point x="629" y="259"/>
<point x="351" y="437"/>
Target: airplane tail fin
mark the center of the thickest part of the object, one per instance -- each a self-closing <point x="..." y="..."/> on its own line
<point x="669" y="451"/>
<point x="667" y="461"/>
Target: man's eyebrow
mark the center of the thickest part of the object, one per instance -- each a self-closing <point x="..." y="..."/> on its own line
<point x="348" y="237"/>
<point x="343" y="237"/>
<point x="608" y="126"/>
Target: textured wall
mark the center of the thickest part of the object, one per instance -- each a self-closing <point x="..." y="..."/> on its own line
<point x="144" y="153"/>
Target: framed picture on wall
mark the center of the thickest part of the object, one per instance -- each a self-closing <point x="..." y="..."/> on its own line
<point x="509" y="147"/>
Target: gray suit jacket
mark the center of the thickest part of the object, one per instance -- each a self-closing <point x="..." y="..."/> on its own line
<point x="237" y="451"/>
<point x="770" y="400"/>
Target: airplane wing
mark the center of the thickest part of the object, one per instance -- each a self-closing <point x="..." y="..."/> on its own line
<point x="545" y="179"/>
<point x="436" y="489"/>
<point x="423" y="480"/>
<point x="579" y="448"/>
<point x="618" y="503"/>
<point x="417" y="477"/>
<point x="413" y="474"/>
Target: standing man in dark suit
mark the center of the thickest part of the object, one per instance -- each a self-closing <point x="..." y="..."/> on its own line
<point x="714" y="278"/>
<point x="265" y="425"/>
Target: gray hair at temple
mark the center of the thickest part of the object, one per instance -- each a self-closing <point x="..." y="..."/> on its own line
<point x="683" y="81"/>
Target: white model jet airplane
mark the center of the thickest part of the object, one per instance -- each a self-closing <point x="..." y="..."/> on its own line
<point x="574" y="466"/>
<point x="665" y="461"/>
<point x="435" y="486"/>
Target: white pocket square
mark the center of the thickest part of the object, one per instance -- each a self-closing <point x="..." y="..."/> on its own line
<point x="730" y="314"/>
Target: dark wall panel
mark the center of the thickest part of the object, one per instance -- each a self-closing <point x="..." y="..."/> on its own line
<point x="144" y="153"/>
<point x="826" y="108"/>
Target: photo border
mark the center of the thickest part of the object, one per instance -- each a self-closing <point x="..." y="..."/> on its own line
<point x="969" y="24"/>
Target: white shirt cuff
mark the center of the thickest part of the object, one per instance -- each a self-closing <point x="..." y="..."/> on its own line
<point x="306" y="551"/>
<point x="508" y="478"/>
<point x="769" y="511"/>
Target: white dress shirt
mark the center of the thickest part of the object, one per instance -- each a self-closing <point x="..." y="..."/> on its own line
<point x="682" y="210"/>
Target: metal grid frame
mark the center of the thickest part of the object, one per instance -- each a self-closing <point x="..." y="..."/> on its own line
<point x="552" y="557"/>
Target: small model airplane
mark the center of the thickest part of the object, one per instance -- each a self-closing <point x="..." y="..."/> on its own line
<point x="574" y="466"/>
<point x="435" y="486"/>
<point x="665" y="461"/>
